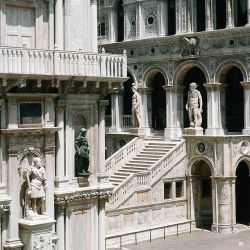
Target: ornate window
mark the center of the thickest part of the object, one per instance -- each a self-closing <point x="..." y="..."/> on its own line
<point x="30" y="113"/>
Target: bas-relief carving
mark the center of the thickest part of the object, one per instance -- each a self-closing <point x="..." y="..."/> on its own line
<point x="128" y="220"/>
<point x="157" y="193"/>
<point x="142" y="197"/>
<point x="142" y="218"/>
<point x="224" y="189"/>
<point x="157" y="217"/>
<point x="113" y="222"/>
<point x="42" y="241"/>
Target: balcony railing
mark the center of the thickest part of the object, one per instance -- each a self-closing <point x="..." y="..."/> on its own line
<point x="62" y="63"/>
<point x="126" y="121"/>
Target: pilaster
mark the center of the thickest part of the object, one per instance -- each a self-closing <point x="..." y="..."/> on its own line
<point x="93" y="11"/>
<point x="59" y="25"/>
<point x="60" y="212"/>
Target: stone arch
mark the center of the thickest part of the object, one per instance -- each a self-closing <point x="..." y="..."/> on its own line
<point x="151" y="72"/>
<point x="155" y="78"/>
<point x="225" y="66"/>
<point x="184" y="67"/>
<point x="198" y="158"/>
<point x="131" y="72"/>
<point x="31" y="151"/>
<point x="244" y="158"/>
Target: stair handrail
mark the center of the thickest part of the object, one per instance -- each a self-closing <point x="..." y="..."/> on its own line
<point x="130" y="185"/>
<point x="133" y="182"/>
<point x="124" y="154"/>
<point x="163" y="165"/>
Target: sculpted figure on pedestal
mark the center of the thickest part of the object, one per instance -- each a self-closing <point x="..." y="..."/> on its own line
<point x="136" y="109"/>
<point x="194" y="106"/>
<point x="82" y="154"/>
<point x="36" y="186"/>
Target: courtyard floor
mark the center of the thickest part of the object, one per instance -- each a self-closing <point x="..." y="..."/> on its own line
<point x="198" y="240"/>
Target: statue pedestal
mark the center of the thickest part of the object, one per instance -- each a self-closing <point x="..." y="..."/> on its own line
<point x="36" y="234"/>
<point x="141" y="132"/>
<point x="83" y="180"/>
<point x="194" y="131"/>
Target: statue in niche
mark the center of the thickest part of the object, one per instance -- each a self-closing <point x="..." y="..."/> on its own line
<point x="82" y="154"/>
<point x="35" y="177"/>
<point x="194" y="106"/>
<point x="190" y="46"/>
<point x="136" y="109"/>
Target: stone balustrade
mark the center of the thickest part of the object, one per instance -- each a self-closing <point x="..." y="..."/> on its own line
<point x="25" y="61"/>
<point x="145" y="180"/>
<point x="117" y="160"/>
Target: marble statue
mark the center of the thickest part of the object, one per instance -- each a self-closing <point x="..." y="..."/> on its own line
<point x="136" y="109"/>
<point x="82" y="154"/>
<point x="36" y="187"/>
<point x="194" y="106"/>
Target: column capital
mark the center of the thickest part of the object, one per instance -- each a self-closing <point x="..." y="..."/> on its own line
<point x="103" y="104"/>
<point x="212" y="86"/>
<point x="246" y="85"/>
<point x="61" y="104"/>
<point x="144" y="90"/>
<point x="117" y="90"/>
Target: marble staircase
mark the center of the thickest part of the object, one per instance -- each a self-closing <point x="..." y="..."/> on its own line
<point x="153" y="150"/>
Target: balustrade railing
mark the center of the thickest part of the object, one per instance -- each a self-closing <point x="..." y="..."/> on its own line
<point x="147" y="179"/>
<point x="127" y="121"/>
<point x="52" y="62"/>
<point x="118" y="159"/>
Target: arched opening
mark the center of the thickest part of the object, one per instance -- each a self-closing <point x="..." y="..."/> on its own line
<point x="200" y="14"/>
<point x="220" y="14"/>
<point x="120" y="21"/>
<point x="241" y="13"/>
<point x="202" y="194"/>
<point x="195" y="74"/>
<point x="127" y="95"/>
<point x="234" y="99"/>
<point x="158" y="97"/>
<point x="171" y="17"/>
<point x="242" y="191"/>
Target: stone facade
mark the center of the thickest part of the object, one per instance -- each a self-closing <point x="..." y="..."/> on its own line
<point x="53" y="84"/>
<point x="169" y="45"/>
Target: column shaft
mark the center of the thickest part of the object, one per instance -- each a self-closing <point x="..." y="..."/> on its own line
<point x="116" y="111"/>
<point x="246" y="86"/>
<point x="101" y="226"/>
<point x="93" y="10"/>
<point x="208" y="9"/>
<point x="248" y="12"/>
<point x="214" y="124"/>
<point x="60" y="228"/>
<point x="230" y="21"/>
<point x="59" y="29"/>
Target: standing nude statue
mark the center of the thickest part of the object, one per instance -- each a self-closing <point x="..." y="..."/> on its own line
<point x="136" y="103"/>
<point x="194" y="106"/>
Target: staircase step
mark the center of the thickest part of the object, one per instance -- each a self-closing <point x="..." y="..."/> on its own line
<point x="125" y="175"/>
<point x="142" y="160"/>
<point x="148" y="157"/>
<point x="131" y="171"/>
<point x="134" y="165"/>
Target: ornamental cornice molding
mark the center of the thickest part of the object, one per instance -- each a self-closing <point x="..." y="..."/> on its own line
<point x="68" y="199"/>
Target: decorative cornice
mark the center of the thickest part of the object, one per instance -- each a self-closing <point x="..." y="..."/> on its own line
<point x="66" y="199"/>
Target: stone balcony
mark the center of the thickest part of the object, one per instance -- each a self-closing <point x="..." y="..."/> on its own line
<point x="63" y="65"/>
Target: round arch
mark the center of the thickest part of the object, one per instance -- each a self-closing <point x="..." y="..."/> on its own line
<point x="132" y="74"/>
<point x="196" y="159"/>
<point x="225" y="66"/>
<point x="184" y="67"/>
<point x="151" y="72"/>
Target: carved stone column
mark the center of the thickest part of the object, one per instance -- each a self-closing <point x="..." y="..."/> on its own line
<point x="116" y="110"/>
<point x="208" y="8"/>
<point x="224" y="204"/>
<point x="60" y="212"/>
<point x="102" y="175"/>
<point x="59" y="29"/>
<point x="214" y="124"/>
<point x="248" y="12"/>
<point x="246" y="86"/>
<point x="178" y="16"/>
<point x="60" y="152"/>
<point x="229" y="11"/>
<point x="13" y="241"/>
<point x="93" y="11"/>
<point x="146" y="122"/>
<point x="174" y="116"/>
<point x="140" y="20"/>
<point x="51" y="24"/>
<point x="101" y="226"/>
<point x="113" y="25"/>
